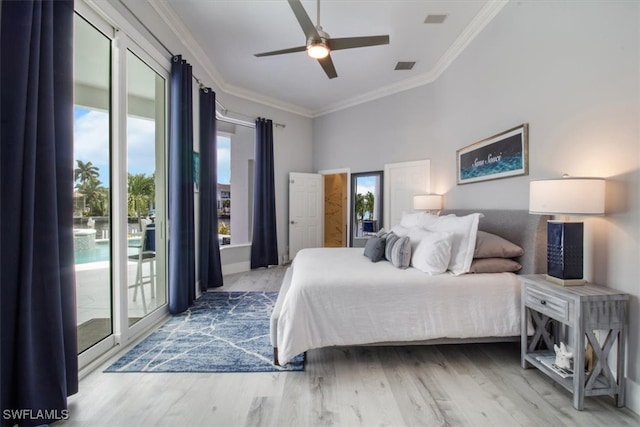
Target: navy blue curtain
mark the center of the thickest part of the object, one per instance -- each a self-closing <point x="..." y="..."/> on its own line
<point x="264" y="244"/>
<point x="39" y="344"/>
<point x="182" y="269"/>
<point x="209" y="249"/>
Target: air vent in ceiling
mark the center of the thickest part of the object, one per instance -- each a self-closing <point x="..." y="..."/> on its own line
<point x="404" y="65"/>
<point x="435" y="19"/>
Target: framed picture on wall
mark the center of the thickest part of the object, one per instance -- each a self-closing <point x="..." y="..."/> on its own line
<point x="499" y="156"/>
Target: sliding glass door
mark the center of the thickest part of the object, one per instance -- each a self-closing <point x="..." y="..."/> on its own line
<point x="120" y="199"/>
<point x="366" y="206"/>
<point x="145" y="142"/>
<point x="92" y="191"/>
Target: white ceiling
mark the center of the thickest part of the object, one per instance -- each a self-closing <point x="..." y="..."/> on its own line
<point x="230" y="32"/>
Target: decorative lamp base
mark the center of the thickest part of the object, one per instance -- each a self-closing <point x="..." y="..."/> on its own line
<point x="564" y="252"/>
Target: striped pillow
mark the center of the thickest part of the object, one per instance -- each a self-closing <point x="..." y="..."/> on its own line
<point x="401" y="252"/>
<point x="391" y="239"/>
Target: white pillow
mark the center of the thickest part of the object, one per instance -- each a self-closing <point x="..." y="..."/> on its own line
<point x="430" y="250"/>
<point x="409" y="220"/>
<point x="464" y="229"/>
<point x="427" y="219"/>
<point x="400" y="230"/>
<point x="417" y="219"/>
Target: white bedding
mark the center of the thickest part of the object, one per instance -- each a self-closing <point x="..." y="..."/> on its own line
<point x="339" y="297"/>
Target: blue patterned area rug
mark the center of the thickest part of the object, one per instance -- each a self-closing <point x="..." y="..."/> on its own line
<point x="221" y="332"/>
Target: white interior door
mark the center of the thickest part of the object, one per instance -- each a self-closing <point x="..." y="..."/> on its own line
<point x="305" y="211"/>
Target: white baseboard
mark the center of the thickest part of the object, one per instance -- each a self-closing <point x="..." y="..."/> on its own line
<point x="238" y="267"/>
<point x="632" y="397"/>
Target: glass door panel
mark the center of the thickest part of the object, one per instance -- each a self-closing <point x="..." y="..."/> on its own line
<point x="92" y="195"/>
<point x="366" y="206"/>
<point x="145" y="177"/>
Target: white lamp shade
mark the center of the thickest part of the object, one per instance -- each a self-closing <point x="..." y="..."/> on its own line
<point x="577" y="196"/>
<point x="427" y="202"/>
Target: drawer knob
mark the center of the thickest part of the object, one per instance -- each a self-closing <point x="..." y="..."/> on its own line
<point x="543" y="302"/>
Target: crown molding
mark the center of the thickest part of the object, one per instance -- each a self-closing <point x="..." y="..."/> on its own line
<point x="174" y="23"/>
<point x="198" y="55"/>
<point x="477" y="24"/>
<point x="267" y="101"/>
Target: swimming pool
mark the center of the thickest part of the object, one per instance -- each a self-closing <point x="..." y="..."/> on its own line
<point x="102" y="251"/>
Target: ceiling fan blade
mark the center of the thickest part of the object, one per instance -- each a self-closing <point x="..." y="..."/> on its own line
<point x="353" y="42"/>
<point x="282" y="51"/>
<point x="327" y="66"/>
<point x="310" y="31"/>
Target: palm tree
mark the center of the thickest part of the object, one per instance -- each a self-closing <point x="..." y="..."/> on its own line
<point x="360" y="206"/>
<point x="95" y="196"/>
<point x="88" y="184"/>
<point x="100" y="202"/>
<point x="85" y="172"/>
<point x="140" y="194"/>
<point x="370" y="203"/>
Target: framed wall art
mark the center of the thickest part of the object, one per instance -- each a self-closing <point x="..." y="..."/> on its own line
<point x="499" y="156"/>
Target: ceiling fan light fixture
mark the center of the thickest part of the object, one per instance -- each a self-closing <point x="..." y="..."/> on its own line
<point x="318" y="50"/>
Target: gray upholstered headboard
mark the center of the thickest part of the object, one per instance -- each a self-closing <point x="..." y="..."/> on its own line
<point x="520" y="227"/>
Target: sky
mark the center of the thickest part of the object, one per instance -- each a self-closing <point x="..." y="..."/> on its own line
<point x="91" y="144"/>
<point x="365" y="184"/>
<point x="91" y="140"/>
<point x="224" y="160"/>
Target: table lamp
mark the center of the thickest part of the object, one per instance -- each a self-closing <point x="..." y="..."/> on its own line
<point x="566" y="196"/>
<point x="431" y="203"/>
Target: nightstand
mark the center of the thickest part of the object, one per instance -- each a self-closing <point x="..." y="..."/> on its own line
<point x="559" y="314"/>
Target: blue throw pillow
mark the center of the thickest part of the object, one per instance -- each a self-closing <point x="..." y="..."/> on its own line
<point x="374" y="249"/>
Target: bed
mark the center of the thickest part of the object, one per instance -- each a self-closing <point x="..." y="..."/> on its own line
<point x="338" y="297"/>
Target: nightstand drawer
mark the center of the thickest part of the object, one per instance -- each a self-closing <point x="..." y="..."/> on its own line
<point x="552" y="306"/>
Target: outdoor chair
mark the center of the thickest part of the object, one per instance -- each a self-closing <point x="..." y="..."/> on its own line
<point x="146" y="254"/>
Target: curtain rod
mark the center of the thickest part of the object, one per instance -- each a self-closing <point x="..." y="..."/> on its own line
<point x="223" y="114"/>
<point x="223" y="118"/>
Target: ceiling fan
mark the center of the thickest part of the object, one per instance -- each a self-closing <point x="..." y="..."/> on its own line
<point x="319" y="44"/>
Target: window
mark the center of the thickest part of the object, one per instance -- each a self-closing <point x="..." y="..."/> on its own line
<point x="235" y="184"/>
<point x="224" y="190"/>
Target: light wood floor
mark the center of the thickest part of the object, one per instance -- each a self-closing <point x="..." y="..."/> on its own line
<point x="452" y="385"/>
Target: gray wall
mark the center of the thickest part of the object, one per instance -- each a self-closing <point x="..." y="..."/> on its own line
<point x="570" y="70"/>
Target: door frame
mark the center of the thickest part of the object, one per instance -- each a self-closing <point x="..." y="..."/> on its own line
<point x="352" y="197"/>
<point x="339" y="172"/>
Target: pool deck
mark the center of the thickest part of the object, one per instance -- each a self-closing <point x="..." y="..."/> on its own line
<point x="93" y="291"/>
